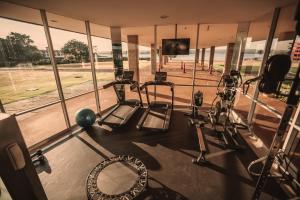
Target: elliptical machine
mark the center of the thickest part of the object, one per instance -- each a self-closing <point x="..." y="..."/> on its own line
<point x="219" y="113"/>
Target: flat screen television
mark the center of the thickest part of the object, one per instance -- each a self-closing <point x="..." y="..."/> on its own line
<point x="176" y="46"/>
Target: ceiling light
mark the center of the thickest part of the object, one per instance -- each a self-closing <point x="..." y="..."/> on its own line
<point x="164" y="16"/>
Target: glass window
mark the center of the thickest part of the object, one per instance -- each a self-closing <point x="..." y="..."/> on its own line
<point x="283" y="42"/>
<point x="104" y="64"/>
<point x="146" y="38"/>
<point x="26" y="74"/>
<point x="39" y="125"/>
<point x="73" y="62"/>
<point x="72" y="58"/>
<point x="219" y="58"/>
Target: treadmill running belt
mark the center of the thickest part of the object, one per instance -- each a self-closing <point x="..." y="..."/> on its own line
<point x="117" y="116"/>
<point x="155" y="118"/>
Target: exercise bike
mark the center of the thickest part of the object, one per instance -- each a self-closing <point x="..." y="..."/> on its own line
<point x="219" y="113"/>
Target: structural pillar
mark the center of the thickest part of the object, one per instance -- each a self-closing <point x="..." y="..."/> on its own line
<point x="211" y="58"/>
<point x="228" y="58"/>
<point x="197" y="55"/>
<point x="195" y="67"/>
<point x="133" y="55"/>
<point x="202" y="58"/>
<point x="165" y="58"/>
<point x="117" y="50"/>
<point x="160" y="58"/>
<point x="240" y="44"/>
<point x="153" y="58"/>
<point x="2" y="110"/>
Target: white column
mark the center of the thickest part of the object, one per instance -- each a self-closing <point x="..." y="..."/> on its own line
<point x="133" y="55"/>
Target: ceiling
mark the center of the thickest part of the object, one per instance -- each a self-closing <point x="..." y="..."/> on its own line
<point x="131" y="13"/>
<point x="218" y="18"/>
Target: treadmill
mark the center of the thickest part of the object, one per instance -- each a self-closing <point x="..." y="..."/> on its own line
<point x="158" y="114"/>
<point x="119" y="115"/>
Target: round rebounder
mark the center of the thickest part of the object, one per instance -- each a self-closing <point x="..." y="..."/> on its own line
<point x="85" y="117"/>
<point x="119" y="177"/>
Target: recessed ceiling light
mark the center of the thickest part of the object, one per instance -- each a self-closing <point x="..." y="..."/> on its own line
<point x="52" y="20"/>
<point x="164" y="16"/>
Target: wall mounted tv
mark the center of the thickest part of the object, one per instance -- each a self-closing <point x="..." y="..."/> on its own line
<point x="176" y="46"/>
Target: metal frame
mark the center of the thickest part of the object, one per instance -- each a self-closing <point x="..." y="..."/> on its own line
<point x="195" y="65"/>
<point x="265" y="58"/>
<point x="89" y="38"/>
<point x="55" y="69"/>
<point x="2" y="109"/>
<point x="270" y="109"/>
<point x="155" y="45"/>
<point x="290" y="136"/>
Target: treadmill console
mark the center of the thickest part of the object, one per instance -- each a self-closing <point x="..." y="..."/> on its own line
<point x="128" y="75"/>
<point x="160" y="76"/>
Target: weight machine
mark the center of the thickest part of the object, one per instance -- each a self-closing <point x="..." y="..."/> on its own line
<point x="276" y="68"/>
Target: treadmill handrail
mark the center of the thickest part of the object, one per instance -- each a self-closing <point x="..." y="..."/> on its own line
<point x="164" y="83"/>
<point x="133" y="83"/>
<point x="121" y="82"/>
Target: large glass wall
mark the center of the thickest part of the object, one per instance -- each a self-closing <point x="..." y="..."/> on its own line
<point x="219" y="58"/>
<point x="104" y="64"/>
<point x="26" y="76"/>
<point x="73" y="63"/>
<point x="251" y="63"/>
<point x="26" y="72"/>
<point x="283" y="42"/>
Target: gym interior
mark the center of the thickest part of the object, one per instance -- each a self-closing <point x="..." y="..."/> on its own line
<point x="149" y="99"/>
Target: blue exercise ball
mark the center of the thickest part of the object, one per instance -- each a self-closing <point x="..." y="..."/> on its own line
<point x="85" y="117"/>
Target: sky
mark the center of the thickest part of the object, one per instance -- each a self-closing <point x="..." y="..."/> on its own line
<point x="59" y="37"/>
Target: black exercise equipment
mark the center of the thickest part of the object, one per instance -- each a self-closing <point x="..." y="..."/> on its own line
<point x="38" y="158"/>
<point x="280" y="66"/>
<point x="198" y="121"/>
<point x="132" y="186"/>
<point x="120" y="114"/>
<point x="219" y="113"/>
<point x="276" y="68"/>
<point x="158" y="114"/>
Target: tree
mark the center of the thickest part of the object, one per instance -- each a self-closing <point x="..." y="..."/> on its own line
<point x="23" y="48"/>
<point x="77" y="49"/>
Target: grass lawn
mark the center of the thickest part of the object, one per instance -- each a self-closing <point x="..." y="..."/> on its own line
<point x="23" y="84"/>
<point x="16" y="84"/>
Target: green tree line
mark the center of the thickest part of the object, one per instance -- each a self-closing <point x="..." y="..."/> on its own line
<point x="19" y="48"/>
